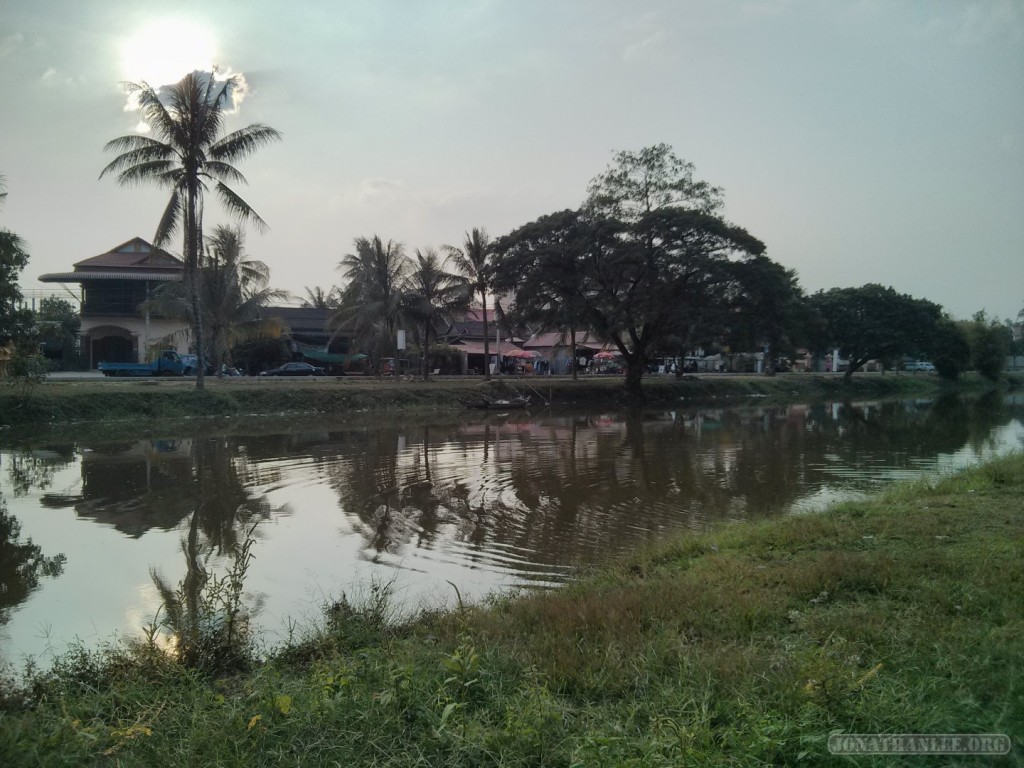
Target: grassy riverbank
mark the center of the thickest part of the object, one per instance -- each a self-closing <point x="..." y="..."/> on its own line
<point x="59" y="405"/>
<point x="745" y="646"/>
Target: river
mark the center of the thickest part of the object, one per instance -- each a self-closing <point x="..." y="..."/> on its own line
<point x="490" y="502"/>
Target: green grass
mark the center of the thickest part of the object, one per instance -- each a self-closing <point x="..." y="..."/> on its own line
<point x="743" y="646"/>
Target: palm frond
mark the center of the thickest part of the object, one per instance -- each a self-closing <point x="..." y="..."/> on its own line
<point x="244" y="142"/>
<point x="238" y="207"/>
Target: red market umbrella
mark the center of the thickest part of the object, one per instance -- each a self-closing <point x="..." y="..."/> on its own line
<point x="606" y="354"/>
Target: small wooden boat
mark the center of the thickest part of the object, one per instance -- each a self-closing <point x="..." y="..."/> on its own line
<point x="482" y="402"/>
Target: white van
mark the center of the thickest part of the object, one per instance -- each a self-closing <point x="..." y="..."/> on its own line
<point x="920" y="365"/>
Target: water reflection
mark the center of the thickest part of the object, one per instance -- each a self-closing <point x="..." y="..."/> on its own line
<point x="492" y="502"/>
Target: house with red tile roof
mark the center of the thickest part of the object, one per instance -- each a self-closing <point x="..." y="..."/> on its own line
<point x="113" y="286"/>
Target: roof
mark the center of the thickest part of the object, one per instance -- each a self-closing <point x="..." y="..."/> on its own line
<point x="477" y="347"/>
<point x="584" y="340"/>
<point x="84" y="277"/>
<point x="134" y="254"/>
<point x="299" y="319"/>
<point x="133" y="260"/>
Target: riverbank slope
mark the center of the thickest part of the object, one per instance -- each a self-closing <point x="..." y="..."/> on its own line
<point x="58" y="405"/>
<point x="747" y="645"/>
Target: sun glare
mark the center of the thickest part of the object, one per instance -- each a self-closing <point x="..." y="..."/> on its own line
<point x="164" y="51"/>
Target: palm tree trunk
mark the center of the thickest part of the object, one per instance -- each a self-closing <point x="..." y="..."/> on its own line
<point x="487" y="346"/>
<point x="426" y="350"/>
<point x="193" y="249"/>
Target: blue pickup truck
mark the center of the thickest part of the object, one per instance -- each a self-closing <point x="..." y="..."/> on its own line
<point x="169" y="363"/>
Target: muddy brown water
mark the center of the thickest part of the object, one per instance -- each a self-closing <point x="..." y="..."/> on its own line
<point x="490" y="502"/>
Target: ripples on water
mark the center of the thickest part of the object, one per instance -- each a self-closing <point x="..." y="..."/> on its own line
<point x="490" y="503"/>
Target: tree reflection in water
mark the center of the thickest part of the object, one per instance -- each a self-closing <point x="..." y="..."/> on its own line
<point x="22" y="563"/>
<point x="520" y="495"/>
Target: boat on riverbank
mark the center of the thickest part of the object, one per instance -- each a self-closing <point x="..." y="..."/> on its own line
<point x="484" y="403"/>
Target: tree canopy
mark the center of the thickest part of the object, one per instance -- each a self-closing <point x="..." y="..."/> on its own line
<point x="876" y="322"/>
<point x="645" y="260"/>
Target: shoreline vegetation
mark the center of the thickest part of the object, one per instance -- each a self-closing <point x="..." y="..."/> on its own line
<point x="746" y="645"/>
<point x="146" y="404"/>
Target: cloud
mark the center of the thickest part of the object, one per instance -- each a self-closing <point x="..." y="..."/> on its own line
<point x="52" y="78"/>
<point x="237" y="91"/>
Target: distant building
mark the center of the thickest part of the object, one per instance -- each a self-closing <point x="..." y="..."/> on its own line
<point x="556" y="348"/>
<point x="114" y="285"/>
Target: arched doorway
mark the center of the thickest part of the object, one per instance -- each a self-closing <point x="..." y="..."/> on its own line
<point x="113" y="349"/>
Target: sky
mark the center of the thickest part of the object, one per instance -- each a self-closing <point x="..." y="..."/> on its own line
<point x="863" y="141"/>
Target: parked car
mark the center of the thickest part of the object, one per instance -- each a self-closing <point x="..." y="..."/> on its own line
<point x="294" y="369"/>
<point x="920" y="365"/>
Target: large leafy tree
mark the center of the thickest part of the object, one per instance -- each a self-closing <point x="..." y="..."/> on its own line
<point x="638" y="183"/>
<point x="371" y="301"/>
<point x="647" y="262"/>
<point x="190" y="155"/>
<point x="989" y="344"/>
<point x="433" y="295"/>
<point x="473" y="260"/>
<point x="59" y="322"/>
<point x="668" y="275"/>
<point x="659" y="257"/>
<point x="876" y="322"/>
<point x="15" y="322"/>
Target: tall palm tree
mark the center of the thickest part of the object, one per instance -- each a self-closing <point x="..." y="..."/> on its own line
<point x="189" y="155"/>
<point x="3" y="190"/>
<point x="434" y="295"/>
<point x="371" y="302"/>
<point x="473" y="261"/>
<point x="232" y="291"/>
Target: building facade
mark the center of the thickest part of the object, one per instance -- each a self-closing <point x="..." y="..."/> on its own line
<point x="114" y="286"/>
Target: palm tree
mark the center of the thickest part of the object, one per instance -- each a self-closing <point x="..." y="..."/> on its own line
<point x="189" y="155"/>
<point x="3" y="190"/>
<point x="235" y="289"/>
<point x="232" y="291"/>
<point x="473" y="260"/>
<point x="434" y="295"/>
<point x="371" y="302"/>
<point x="318" y="298"/>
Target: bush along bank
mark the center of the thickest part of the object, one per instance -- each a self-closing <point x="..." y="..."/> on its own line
<point x="744" y="646"/>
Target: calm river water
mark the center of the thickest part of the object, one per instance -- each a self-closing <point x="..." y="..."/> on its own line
<point x="489" y="502"/>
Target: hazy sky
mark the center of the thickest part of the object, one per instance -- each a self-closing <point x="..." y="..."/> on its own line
<point x="863" y="141"/>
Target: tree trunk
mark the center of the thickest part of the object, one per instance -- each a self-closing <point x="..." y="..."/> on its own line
<point x="426" y="350"/>
<point x="193" y="253"/>
<point x="634" y="376"/>
<point x="487" y="346"/>
<point x="197" y="325"/>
